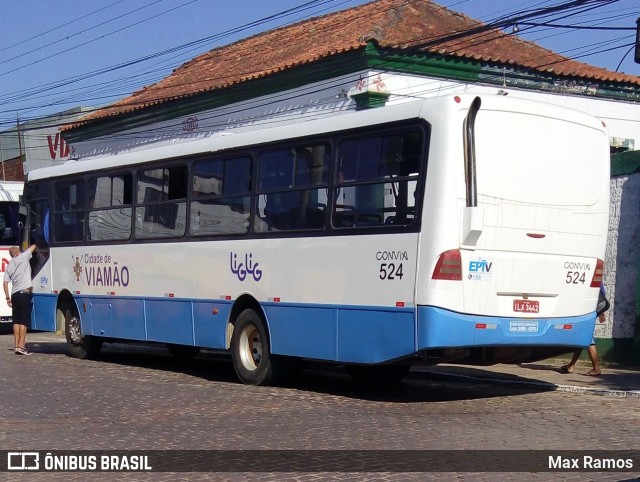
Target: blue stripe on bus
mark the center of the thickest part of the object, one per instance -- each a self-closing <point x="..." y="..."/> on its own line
<point x="341" y="333"/>
<point x="438" y="328"/>
<point x="326" y="332"/>
<point x="360" y="334"/>
<point x="43" y="316"/>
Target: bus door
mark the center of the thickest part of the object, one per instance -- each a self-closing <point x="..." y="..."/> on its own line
<point x="36" y="231"/>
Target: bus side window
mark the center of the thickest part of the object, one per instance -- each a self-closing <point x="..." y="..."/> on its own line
<point x="221" y="196"/>
<point x="161" y="210"/>
<point x="377" y="180"/>
<point x="69" y="211"/>
<point x="293" y="187"/>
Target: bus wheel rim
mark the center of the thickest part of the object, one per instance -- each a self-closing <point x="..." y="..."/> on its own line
<point x="250" y="348"/>
<point x="75" y="332"/>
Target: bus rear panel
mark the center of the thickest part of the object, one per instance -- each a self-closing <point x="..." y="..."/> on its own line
<point x="518" y="273"/>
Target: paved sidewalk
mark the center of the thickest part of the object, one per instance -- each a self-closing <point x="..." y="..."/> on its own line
<point x="545" y="375"/>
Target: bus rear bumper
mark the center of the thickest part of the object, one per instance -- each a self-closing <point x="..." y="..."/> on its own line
<point x="440" y="328"/>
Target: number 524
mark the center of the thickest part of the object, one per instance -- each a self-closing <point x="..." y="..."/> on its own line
<point x="575" y="277"/>
<point x="390" y="271"/>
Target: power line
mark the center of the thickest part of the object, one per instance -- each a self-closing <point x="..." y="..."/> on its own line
<point x="575" y="27"/>
<point x="98" y="38"/>
<point x="64" y="25"/>
<point x="29" y="93"/>
<point x="503" y="20"/>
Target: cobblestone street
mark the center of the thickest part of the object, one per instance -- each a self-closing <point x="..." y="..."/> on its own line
<point x="142" y="399"/>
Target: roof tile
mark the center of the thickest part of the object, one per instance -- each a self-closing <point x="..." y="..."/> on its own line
<point x="405" y="24"/>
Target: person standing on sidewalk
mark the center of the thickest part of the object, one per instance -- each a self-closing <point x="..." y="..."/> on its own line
<point x="603" y="305"/>
<point x="18" y="273"/>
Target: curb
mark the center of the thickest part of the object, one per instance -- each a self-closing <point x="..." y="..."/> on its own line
<point x="542" y="386"/>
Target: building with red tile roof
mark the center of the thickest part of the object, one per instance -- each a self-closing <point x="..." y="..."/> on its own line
<point x="414" y="37"/>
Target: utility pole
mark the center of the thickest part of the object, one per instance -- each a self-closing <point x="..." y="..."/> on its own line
<point x="20" y="142"/>
<point x="637" y="52"/>
<point x="2" y="161"/>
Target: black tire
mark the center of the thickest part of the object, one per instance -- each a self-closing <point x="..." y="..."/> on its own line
<point x="79" y="345"/>
<point x="377" y="375"/>
<point x="251" y="351"/>
<point x="183" y="352"/>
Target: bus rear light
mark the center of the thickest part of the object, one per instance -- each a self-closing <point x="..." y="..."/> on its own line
<point x="399" y="304"/>
<point x="449" y="266"/>
<point x="169" y="295"/>
<point x="597" y="274"/>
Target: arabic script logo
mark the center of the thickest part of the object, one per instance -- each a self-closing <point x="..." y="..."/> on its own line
<point x="242" y="269"/>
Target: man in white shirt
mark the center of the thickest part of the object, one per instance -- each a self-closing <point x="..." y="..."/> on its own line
<point x="18" y="273"/>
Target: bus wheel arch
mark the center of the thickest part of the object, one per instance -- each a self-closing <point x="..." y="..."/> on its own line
<point x="250" y="345"/>
<point x="242" y="303"/>
<point x="79" y="345"/>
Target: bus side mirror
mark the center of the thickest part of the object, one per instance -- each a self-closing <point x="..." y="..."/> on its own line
<point x="472" y="224"/>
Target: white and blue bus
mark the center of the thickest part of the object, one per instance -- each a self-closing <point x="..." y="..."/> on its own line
<point x="456" y="229"/>
<point x="10" y="192"/>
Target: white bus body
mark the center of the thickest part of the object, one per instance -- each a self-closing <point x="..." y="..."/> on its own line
<point x="502" y="262"/>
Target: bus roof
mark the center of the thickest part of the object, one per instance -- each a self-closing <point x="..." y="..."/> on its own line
<point x="221" y="141"/>
<point x="11" y="190"/>
<point x="298" y="128"/>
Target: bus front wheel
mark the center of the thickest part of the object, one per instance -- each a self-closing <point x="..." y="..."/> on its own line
<point x="79" y="345"/>
<point x="250" y="350"/>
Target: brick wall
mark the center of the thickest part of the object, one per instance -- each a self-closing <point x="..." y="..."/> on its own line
<point x="13" y="170"/>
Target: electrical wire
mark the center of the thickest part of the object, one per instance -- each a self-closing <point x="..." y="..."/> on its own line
<point x="505" y="20"/>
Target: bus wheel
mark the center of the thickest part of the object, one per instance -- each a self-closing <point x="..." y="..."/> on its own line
<point x="377" y="375"/>
<point x="250" y="350"/>
<point x="183" y="352"/>
<point x="78" y="345"/>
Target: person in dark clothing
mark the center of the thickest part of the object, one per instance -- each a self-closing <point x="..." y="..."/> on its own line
<point x="603" y="305"/>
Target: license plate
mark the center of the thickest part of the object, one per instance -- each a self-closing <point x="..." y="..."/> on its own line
<point x="526" y="306"/>
<point x="523" y="326"/>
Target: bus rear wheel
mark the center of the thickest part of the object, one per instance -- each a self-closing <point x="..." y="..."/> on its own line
<point x="251" y="352"/>
<point x="79" y="345"/>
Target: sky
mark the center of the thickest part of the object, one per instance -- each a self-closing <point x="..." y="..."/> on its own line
<point x="60" y="54"/>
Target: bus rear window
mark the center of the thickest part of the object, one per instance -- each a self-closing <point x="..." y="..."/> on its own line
<point x="545" y="161"/>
